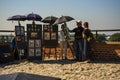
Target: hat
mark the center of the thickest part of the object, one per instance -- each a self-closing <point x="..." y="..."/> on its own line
<point x="78" y="21"/>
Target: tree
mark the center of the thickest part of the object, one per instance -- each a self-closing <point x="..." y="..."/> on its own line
<point x="115" y="37"/>
<point x="100" y="37"/>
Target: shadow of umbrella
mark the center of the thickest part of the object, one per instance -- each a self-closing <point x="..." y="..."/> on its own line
<point x="17" y="18"/>
<point x="25" y="76"/>
<point x="64" y="19"/>
<point x="34" y="17"/>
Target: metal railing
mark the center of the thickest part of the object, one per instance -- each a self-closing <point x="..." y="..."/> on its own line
<point x="96" y="31"/>
<point x="105" y="30"/>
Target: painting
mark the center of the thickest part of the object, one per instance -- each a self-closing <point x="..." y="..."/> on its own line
<point x="22" y="31"/>
<point x="37" y="43"/>
<point x="17" y="30"/>
<point x="31" y="52"/>
<point x="46" y="36"/>
<point x="31" y="43"/>
<point x="18" y="38"/>
<point x="38" y="52"/>
<point x="33" y="34"/>
<point x="45" y="27"/>
<point x="53" y="36"/>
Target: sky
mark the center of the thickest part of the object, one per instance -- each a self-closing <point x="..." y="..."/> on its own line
<point x="101" y="14"/>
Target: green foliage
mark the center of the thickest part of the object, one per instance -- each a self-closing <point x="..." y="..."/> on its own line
<point x="100" y="37"/>
<point x="115" y="37"/>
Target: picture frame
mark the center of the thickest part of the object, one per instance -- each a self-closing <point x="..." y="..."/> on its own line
<point x="45" y="27"/>
<point x="31" y="52"/>
<point x="53" y="36"/>
<point x="38" y="52"/>
<point x="22" y="52"/>
<point x="22" y="31"/>
<point x="18" y="38"/>
<point x="34" y="34"/>
<point x="17" y="30"/>
<point x="31" y="43"/>
<point x="37" y="43"/>
<point x="46" y="36"/>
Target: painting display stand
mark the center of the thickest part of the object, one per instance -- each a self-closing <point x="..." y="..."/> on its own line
<point x="50" y="39"/>
<point x="20" y="44"/>
<point x="34" y="41"/>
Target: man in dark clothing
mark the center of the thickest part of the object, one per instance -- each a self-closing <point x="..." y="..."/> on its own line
<point x="78" y="44"/>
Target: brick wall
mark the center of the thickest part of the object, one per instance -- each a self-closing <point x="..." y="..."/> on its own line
<point x="109" y="51"/>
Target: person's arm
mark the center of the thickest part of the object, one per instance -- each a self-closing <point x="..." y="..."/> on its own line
<point x="71" y="30"/>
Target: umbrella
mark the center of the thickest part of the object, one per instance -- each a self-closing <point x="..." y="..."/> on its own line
<point x="33" y="16"/>
<point x="25" y="76"/>
<point x="49" y="19"/>
<point x="17" y="18"/>
<point x="63" y="19"/>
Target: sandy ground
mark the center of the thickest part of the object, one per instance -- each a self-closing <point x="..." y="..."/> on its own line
<point x="65" y="69"/>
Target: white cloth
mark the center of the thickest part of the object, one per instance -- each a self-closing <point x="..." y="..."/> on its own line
<point x="62" y="36"/>
<point x="63" y="49"/>
<point x="63" y="45"/>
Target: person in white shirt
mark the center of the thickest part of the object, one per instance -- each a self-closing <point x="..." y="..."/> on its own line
<point x="63" y="43"/>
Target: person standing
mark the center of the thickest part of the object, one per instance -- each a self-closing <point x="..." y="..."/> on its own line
<point x="78" y="43"/>
<point x="63" y="43"/>
<point x="88" y="36"/>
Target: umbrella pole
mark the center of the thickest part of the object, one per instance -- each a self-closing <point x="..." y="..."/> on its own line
<point x="50" y="26"/>
<point x="33" y="23"/>
<point x="19" y="23"/>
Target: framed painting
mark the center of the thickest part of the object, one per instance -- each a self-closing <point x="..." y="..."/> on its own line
<point x="53" y="36"/>
<point x="38" y="52"/>
<point x="17" y="30"/>
<point x="46" y="36"/>
<point x="33" y="34"/>
<point x="31" y="52"/>
<point x="45" y="27"/>
<point x="37" y="43"/>
<point x="31" y="43"/>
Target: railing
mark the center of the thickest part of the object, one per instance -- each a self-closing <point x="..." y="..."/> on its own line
<point x="96" y="31"/>
<point x="106" y="30"/>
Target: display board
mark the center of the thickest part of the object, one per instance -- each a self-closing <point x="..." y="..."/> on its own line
<point x="20" y="43"/>
<point x="50" y="35"/>
<point x="34" y="40"/>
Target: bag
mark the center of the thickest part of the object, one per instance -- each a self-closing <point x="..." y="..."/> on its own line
<point x="88" y="35"/>
<point x="90" y="38"/>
